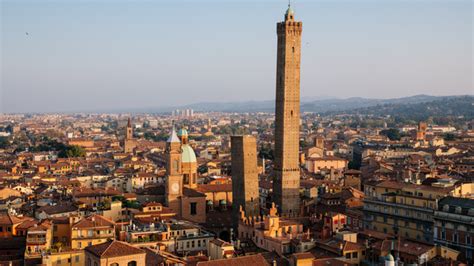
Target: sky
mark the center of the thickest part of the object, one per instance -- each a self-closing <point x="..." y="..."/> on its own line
<point x="68" y="56"/>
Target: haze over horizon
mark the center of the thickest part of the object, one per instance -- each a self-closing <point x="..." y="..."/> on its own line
<point x="85" y="55"/>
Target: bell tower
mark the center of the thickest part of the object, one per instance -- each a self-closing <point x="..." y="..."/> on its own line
<point x="174" y="179"/>
<point x="286" y="183"/>
<point x="129" y="131"/>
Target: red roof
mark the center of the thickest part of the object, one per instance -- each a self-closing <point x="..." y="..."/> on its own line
<point x="114" y="248"/>
<point x="238" y="261"/>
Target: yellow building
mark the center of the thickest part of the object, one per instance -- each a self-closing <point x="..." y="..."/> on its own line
<point x="91" y="230"/>
<point x="114" y="253"/>
<point x="316" y="165"/>
<point x="404" y="209"/>
<point x="68" y="257"/>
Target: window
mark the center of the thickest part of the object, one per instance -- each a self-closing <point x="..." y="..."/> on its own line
<point x="348" y="255"/>
<point x="193" y="208"/>
<point x="132" y="263"/>
<point x="58" y="261"/>
<point x="89" y="262"/>
<point x="77" y="258"/>
<point x="355" y="255"/>
<point x="114" y="264"/>
<point x="468" y="240"/>
<point x="455" y="237"/>
<point x="79" y="244"/>
<point x="175" y="165"/>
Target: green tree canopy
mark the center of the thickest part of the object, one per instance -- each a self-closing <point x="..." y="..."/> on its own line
<point x="392" y="133"/>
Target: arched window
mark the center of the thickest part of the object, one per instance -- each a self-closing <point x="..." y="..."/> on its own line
<point x="89" y="263"/>
<point x="114" y="264"/>
<point x="132" y="263"/>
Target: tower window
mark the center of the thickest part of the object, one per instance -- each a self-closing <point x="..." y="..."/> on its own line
<point x="193" y="208"/>
<point x="293" y="48"/>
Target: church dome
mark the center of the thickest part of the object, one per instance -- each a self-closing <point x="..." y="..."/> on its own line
<point x="182" y="132"/>
<point x="187" y="154"/>
<point x="389" y="257"/>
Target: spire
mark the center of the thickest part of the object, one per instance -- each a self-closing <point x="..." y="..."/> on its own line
<point x="173" y="137"/>
<point x="129" y="123"/>
<point x="289" y="15"/>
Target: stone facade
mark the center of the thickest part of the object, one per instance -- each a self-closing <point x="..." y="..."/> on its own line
<point x="287" y="170"/>
<point x="244" y="176"/>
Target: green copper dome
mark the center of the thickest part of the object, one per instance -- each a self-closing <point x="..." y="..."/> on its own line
<point x="187" y="154"/>
<point x="289" y="11"/>
<point x="182" y="132"/>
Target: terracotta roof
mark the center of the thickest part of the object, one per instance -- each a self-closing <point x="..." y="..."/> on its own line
<point x="114" y="248"/>
<point x="214" y="188"/>
<point x="238" y="261"/>
<point x="8" y="219"/>
<point x="27" y="224"/>
<point x="332" y="262"/>
<point x="220" y="242"/>
<point x="93" y="221"/>
<point x="191" y="193"/>
<point x="60" y="208"/>
<point x="91" y="192"/>
<point x="303" y="255"/>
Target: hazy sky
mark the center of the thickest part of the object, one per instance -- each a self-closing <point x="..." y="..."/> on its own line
<point x="97" y="55"/>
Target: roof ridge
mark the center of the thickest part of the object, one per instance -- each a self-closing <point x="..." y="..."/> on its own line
<point x="110" y="244"/>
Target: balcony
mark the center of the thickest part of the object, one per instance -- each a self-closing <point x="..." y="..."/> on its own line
<point x="36" y="241"/>
<point x="94" y="236"/>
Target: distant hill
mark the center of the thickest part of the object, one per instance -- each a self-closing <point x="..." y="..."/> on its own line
<point x="441" y="107"/>
<point x="327" y="105"/>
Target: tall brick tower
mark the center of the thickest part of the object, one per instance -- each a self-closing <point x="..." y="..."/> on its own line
<point x="287" y="110"/>
<point x="245" y="192"/>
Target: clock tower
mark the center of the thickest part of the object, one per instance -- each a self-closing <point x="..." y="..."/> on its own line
<point x="174" y="179"/>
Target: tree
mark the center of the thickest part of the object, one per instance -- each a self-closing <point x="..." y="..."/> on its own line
<point x="4" y="142"/>
<point x="72" y="151"/>
<point x="392" y="133"/>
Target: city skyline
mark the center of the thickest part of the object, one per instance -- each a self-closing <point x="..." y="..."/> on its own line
<point x="293" y="181"/>
<point x="109" y="57"/>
